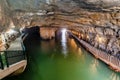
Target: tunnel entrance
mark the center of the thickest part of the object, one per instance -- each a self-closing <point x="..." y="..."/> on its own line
<point x="46" y="33"/>
<point x="60" y="58"/>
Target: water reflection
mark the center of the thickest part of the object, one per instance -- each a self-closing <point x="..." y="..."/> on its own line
<point x="114" y="76"/>
<point x="49" y="63"/>
<point x="93" y="66"/>
<point x="64" y="41"/>
<point x="79" y="51"/>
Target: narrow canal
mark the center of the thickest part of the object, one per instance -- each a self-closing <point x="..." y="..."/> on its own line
<point x="61" y="59"/>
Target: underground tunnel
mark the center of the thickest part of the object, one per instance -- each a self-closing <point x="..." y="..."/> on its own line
<point x="59" y="39"/>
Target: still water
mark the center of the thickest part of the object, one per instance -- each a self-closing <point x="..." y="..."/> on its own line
<point x="62" y="60"/>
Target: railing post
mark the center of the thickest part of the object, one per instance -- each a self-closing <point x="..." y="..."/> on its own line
<point x="24" y="54"/>
<point x="2" y="66"/>
<point x="119" y="62"/>
<point x="7" y="63"/>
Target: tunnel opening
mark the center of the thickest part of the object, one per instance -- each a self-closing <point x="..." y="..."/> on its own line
<point x="92" y="23"/>
<point x="58" y="56"/>
<point x="37" y="34"/>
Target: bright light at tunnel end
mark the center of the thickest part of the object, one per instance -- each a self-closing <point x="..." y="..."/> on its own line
<point x="64" y="41"/>
<point x="64" y="30"/>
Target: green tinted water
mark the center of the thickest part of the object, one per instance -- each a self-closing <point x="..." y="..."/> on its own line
<point x="54" y="60"/>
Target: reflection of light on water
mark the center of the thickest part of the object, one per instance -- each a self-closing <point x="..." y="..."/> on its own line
<point x="111" y="75"/>
<point x="63" y="35"/>
<point x="64" y="41"/>
<point x="73" y="43"/>
<point x="114" y="76"/>
<point x="79" y="51"/>
<point x="74" y="46"/>
<point x="94" y="66"/>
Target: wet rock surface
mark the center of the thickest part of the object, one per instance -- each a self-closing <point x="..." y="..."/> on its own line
<point x="103" y="38"/>
<point x="98" y="21"/>
<point x="47" y="33"/>
<point x="59" y="13"/>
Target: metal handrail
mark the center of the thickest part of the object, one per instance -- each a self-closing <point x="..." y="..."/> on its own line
<point x="11" y="57"/>
<point x="1" y="63"/>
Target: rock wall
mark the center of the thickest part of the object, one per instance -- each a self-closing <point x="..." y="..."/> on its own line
<point x="97" y="20"/>
<point x="47" y="33"/>
<point x="36" y="12"/>
<point x="64" y="13"/>
<point x="104" y="38"/>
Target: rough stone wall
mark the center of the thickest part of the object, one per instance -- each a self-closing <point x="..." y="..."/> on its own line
<point x="66" y="12"/>
<point x="5" y="16"/>
<point x="97" y="20"/>
<point x="47" y="33"/>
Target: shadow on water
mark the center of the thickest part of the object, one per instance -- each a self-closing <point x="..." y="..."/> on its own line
<point x="61" y="60"/>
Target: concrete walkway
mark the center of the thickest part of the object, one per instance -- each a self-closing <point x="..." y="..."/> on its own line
<point x="15" y="45"/>
<point x="14" y="68"/>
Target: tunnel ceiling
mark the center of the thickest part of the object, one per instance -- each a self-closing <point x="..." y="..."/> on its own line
<point x="65" y="13"/>
<point x="40" y="4"/>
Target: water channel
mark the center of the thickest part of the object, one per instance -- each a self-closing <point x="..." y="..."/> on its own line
<point x="62" y="59"/>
